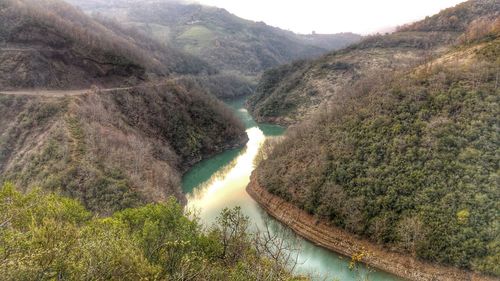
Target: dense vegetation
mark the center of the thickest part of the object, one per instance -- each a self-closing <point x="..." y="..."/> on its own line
<point x="272" y="97"/>
<point x="292" y="93"/>
<point x="409" y="160"/>
<point x="229" y="43"/>
<point x="115" y="149"/>
<point x="48" y="237"/>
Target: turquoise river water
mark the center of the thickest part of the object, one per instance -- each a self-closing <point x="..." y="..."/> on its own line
<point x="220" y="182"/>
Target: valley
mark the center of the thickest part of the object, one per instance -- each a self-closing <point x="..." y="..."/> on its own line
<point x="221" y="182"/>
<point x="231" y="44"/>
<point x="170" y="140"/>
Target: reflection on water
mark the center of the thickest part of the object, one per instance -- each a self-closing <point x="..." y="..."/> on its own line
<point x="220" y="182"/>
<point x="226" y="188"/>
<point x="202" y="173"/>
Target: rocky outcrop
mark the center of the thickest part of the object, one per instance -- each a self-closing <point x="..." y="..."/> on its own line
<point x="344" y="243"/>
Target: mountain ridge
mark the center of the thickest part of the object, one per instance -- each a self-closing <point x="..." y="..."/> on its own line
<point x="292" y="93"/>
<point x="230" y="43"/>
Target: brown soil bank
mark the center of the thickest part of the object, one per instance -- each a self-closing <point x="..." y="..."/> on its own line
<point x="344" y="243"/>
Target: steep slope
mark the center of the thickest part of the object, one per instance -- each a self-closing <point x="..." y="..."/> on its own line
<point x="114" y="149"/>
<point x="50" y="44"/>
<point x="408" y="159"/>
<point x="229" y="43"/>
<point x="291" y="93"/>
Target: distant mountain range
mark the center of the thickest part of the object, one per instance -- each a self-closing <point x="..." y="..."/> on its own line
<point x="229" y="43"/>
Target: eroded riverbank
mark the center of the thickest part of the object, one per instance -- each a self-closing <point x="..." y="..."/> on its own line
<point x="220" y="182"/>
<point x="339" y="241"/>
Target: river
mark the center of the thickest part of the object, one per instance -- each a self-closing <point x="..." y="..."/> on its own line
<point x="220" y="182"/>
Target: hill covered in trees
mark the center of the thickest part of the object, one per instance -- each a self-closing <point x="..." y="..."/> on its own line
<point x="115" y="149"/>
<point x="226" y="41"/>
<point x="408" y="159"/>
<point x="50" y="44"/>
<point x="291" y="93"/>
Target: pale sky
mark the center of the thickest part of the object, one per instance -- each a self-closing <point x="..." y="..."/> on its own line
<point x="332" y="16"/>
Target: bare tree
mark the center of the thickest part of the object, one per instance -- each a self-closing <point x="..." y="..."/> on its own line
<point x="280" y="246"/>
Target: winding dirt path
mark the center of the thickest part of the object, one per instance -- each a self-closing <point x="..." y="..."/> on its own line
<point x="58" y="93"/>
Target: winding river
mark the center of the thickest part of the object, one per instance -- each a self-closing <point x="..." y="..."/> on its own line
<point x="220" y="182"/>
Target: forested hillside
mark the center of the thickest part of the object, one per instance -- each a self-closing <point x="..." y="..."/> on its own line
<point x="226" y="41"/>
<point x="292" y="93"/>
<point x="48" y="237"/>
<point x="408" y="159"/>
<point x="113" y="150"/>
<point x="50" y="44"/>
<point x="395" y="143"/>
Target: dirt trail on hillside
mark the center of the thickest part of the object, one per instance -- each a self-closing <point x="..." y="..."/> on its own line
<point x="58" y="93"/>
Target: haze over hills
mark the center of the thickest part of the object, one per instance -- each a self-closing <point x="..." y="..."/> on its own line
<point x="291" y="93"/>
<point x="406" y="152"/>
<point x="229" y="43"/>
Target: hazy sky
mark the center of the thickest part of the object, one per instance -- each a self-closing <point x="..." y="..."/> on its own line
<point x="331" y="16"/>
